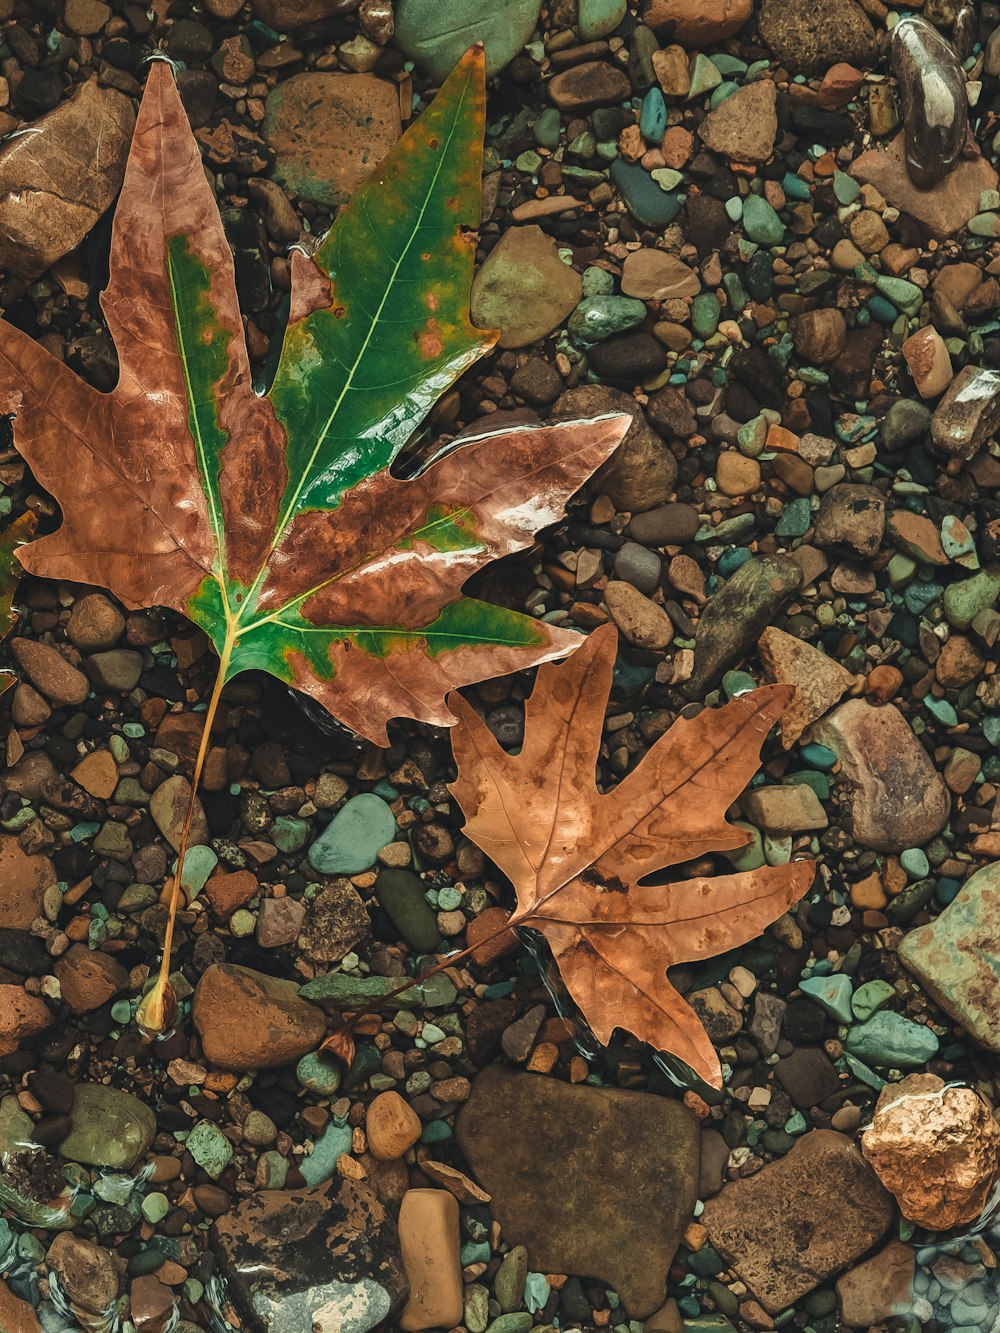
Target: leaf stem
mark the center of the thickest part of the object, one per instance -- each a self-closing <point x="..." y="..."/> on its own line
<point x="157" y="1013"/>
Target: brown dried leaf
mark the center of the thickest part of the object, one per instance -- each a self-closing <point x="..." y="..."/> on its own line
<point x="576" y="856"/>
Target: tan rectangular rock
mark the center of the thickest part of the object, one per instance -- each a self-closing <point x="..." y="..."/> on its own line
<point x="428" y="1238"/>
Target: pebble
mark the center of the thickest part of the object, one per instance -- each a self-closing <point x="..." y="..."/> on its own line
<point x="891" y="1039"/>
<point x="429" y="1240"/>
<point x="49" y="671"/>
<point x="110" y="1128"/>
<point x="352" y="840"/>
<point x="392" y="1126"/>
<point x="807" y="40"/>
<point x="745" y="126"/>
<point x="402" y="895"/>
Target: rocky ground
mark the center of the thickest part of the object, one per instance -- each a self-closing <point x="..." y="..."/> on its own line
<point x="700" y="213"/>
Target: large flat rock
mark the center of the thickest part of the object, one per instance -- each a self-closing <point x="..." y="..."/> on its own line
<point x="957" y="956"/>
<point x="595" y="1182"/>
<point x="942" y="210"/>
<point x="800" y="1220"/>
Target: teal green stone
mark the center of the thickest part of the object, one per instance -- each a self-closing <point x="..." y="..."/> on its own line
<point x="289" y="833"/>
<point x="845" y="188"/>
<point x="905" y="296"/>
<point x="728" y="65"/>
<point x="958" y="542"/>
<point x="963" y="601"/>
<point x="340" y="991"/>
<point x="121" y="1011"/>
<point x="870" y="998"/>
<point x="600" y="317"/>
<point x="890" y="1039"/>
<point x="646" y="202"/>
<point x="449" y="899"/>
<point x="317" y="1075"/>
<point x="597" y="282"/>
<point x="401" y="894"/>
<point x="436" y="33"/>
<point x="832" y="994"/>
<point x="704" y="77"/>
<point x="545" y="130"/>
<point x="210" y="1148"/>
<point x="760" y="222"/>
<point x="110" y="1128"/>
<point x="155" y="1207"/>
<point x="597" y="18"/>
<point x="942" y="710"/>
<point x="734" y="208"/>
<point x="272" y="1170"/>
<point x="354" y="837"/>
<point x="914" y="861"/>
<point x="750" y="857"/>
<point x="705" y="314"/>
<point x="722" y="93"/>
<point x="436" y="1131"/>
<point x="199" y="862"/>
<point x="536" y="1291"/>
<point x="795" y="519"/>
<point x="795" y="187"/>
<point x="321" y="1163"/>
<point x="667" y="178"/>
<point x="146" y="1261"/>
<point x="818" y="756"/>
<point x="653" y="116"/>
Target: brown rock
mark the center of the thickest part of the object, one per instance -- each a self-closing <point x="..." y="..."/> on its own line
<point x="641" y="473"/>
<point x="16" y="1316"/>
<point x="879" y="1288"/>
<point x="429" y="1240"/>
<point x="696" y="23"/>
<point x="151" y="1303"/>
<point x="392" y="1126"/>
<point x="46" y="668"/>
<point x="918" y="536"/>
<point x="620" y="1216"/>
<point x="779" y="1229"/>
<point x="330" y="131"/>
<point x="227" y="892"/>
<point x="737" y="475"/>
<point x="819" y="681"/>
<point x="744" y="126"/>
<point x="95" y="623"/>
<point x="250" y="1021"/>
<point x="671" y="69"/>
<point x="88" y="978"/>
<point x="60" y="175"/>
<point x="654" y="275"/>
<point x="959" y="662"/>
<point x="29" y="709"/>
<point x="23" y="881"/>
<point x="969" y="412"/>
<point x="935" y="1148"/>
<point x="479" y="930"/>
<point x="819" y="335"/>
<point x="641" y="620"/>
<point x="88" y="1273"/>
<point x="851" y="516"/>
<point x="336" y="920"/>
<point x="594" y="83"/>
<point x="943" y="210"/>
<point x="898" y="798"/>
<point x="21" y="1015"/>
<point x="928" y="361"/>
<point x="807" y="38"/>
<point x="97" y="773"/>
<point x="168" y="806"/>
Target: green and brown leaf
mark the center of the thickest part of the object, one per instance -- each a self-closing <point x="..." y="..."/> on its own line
<point x="274" y="521"/>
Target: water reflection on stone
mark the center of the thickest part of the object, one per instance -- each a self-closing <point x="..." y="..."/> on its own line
<point x="932" y="92"/>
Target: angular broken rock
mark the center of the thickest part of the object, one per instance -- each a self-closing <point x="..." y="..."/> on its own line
<point x="941" y="211"/>
<point x="936" y="1148"/>
<point x="58" y="175"/>
<point x="879" y="1288"/>
<point x="799" y="1220"/>
<point x="655" y="275"/>
<point x="957" y="956"/>
<point x="898" y="798"/>
<point x="324" y="1259"/>
<point x="744" y="126"/>
<point x="820" y="682"/>
<point x="247" y="1020"/>
<point x="968" y="414"/>
<point x="610" y="1212"/>
<point x="330" y="132"/>
<point x="736" y="615"/>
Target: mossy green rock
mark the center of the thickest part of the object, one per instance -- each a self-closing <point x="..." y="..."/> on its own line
<point x="437" y="33"/>
<point x="401" y="894"/>
<point x="110" y="1128"/>
<point x="337" y="991"/>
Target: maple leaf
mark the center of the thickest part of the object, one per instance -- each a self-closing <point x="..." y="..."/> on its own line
<point x="577" y="857"/>
<point x="272" y="521"/>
